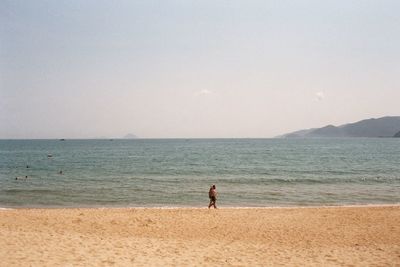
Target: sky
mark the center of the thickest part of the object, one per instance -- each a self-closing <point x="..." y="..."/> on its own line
<point x="195" y="69"/>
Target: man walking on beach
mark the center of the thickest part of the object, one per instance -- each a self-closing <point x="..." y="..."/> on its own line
<point x="212" y="194"/>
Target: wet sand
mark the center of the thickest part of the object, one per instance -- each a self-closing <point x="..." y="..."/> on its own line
<point x="329" y="236"/>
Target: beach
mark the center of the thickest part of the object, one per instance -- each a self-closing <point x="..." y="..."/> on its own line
<point x="312" y="236"/>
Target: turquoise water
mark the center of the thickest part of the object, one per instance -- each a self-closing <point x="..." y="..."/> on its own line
<point x="178" y="172"/>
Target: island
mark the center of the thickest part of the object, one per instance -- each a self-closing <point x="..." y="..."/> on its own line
<point x="380" y="127"/>
<point x="130" y="136"/>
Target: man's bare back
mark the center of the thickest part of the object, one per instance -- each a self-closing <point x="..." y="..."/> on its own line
<point x="213" y="196"/>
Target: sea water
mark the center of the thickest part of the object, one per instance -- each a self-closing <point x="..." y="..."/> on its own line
<point x="179" y="172"/>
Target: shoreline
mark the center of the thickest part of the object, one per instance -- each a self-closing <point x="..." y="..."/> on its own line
<point x="266" y="236"/>
<point x="198" y="207"/>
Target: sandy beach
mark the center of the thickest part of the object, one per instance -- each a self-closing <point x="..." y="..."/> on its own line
<point x="329" y="236"/>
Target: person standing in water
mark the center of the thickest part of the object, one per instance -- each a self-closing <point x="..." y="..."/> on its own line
<point x="212" y="194"/>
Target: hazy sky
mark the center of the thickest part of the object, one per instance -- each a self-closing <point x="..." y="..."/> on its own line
<point x="84" y="69"/>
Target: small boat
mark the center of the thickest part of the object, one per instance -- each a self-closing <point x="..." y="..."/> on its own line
<point x="49" y="155"/>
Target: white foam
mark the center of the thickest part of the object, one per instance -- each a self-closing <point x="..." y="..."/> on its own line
<point x="240" y="207"/>
<point x="206" y="208"/>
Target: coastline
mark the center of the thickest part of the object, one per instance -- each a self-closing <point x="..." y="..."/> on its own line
<point x="268" y="236"/>
<point x="198" y="207"/>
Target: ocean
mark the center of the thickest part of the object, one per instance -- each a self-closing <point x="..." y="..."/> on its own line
<point x="179" y="172"/>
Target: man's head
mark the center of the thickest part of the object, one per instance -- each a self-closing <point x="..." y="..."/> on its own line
<point x="213" y="186"/>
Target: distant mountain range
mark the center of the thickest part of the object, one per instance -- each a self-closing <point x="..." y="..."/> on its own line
<point x="381" y="127"/>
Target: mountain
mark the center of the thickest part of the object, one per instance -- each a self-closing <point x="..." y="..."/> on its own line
<point x="300" y="133"/>
<point x="381" y="127"/>
<point x="397" y="134"/>
<point x="130" y="136"/>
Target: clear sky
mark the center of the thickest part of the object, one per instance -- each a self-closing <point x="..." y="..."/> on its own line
<point x="87" y="69"/>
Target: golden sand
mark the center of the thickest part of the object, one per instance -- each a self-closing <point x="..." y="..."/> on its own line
<point x="339" y="236"/>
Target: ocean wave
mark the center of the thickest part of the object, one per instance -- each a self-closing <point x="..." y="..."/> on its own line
<point x="309" y="181"/>
<point x="35" y="191"/>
